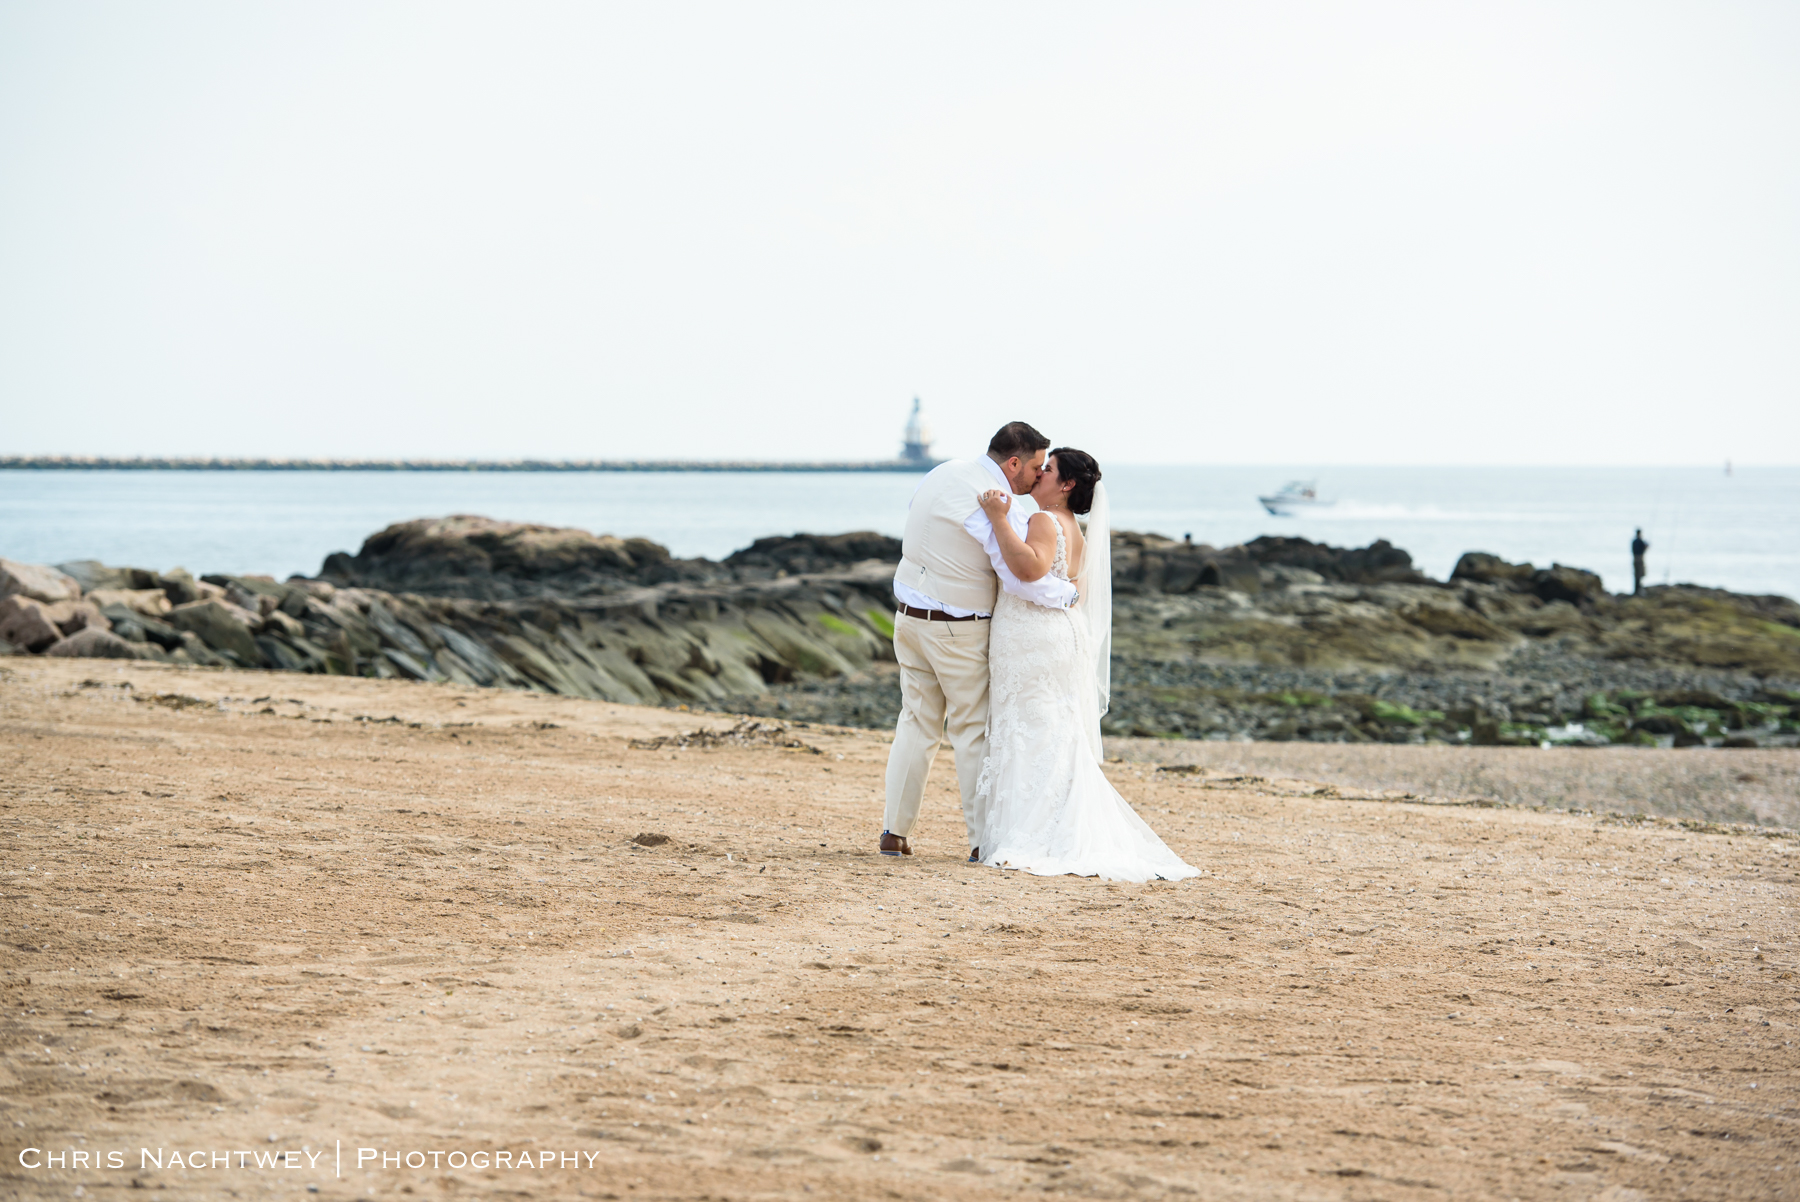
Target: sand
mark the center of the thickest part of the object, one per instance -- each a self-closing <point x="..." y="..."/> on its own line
<point x="347" y="925"/>
<point x="1703" y="784"/>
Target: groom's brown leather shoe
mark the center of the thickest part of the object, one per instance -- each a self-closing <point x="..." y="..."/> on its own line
<point x="894" y="845"/>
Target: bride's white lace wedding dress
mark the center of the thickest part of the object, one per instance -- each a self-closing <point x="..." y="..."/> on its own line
<point x="1048" y="808"/>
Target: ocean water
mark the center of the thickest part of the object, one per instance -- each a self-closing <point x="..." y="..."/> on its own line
<point x="1740" y="531"/>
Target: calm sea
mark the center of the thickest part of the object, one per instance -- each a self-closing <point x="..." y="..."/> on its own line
<point x="1740" y="531"/>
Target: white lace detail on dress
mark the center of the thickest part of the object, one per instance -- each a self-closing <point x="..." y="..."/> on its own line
<point x="1046" y="806"/>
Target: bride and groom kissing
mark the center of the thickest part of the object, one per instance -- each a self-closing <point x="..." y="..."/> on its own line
<point x="1003" y="633"/>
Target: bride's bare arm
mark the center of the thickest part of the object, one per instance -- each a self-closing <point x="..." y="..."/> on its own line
<point x="1029" y="558"/>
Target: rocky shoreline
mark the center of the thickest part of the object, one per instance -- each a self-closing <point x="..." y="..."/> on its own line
<point x="1568" y="704"/>
<point x="1278" y="639"/>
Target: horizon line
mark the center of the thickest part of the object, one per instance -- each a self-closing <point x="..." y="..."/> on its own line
<point x="545" y="464"/>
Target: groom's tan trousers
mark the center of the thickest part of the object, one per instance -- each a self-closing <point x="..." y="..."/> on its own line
<point x="943" y="691"/>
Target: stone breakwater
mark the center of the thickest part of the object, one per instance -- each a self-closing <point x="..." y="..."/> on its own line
<point x="1277" y="639"/>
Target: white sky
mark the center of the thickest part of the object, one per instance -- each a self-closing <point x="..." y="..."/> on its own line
<point x="1254" y="233"/>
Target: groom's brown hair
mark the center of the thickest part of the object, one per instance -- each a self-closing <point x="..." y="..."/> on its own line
<point x="1016" y="438"/>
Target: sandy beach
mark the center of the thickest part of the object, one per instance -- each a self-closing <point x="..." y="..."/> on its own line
<point x="288" y="933"/>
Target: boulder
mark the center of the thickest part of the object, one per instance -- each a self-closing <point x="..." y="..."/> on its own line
<point x="1224" y="571"/>
<point x="79" y="615"/>
<point x="192" y="650"/>
<point x="261" y="594"/>
<point x="151" y="602"/>
<point x="279" y="622"/>
<point x="1378" y="563"/>
<point x="477" y="557"/>
<point x="317" y="590"/>
<point x="798" y="553"/>
<point x="1150" y="563"/>
<point x="136" y="627"/>
<point x="1481" y="568"/>
<point x="1574" y="585"/>
<point x="94" y="643"/>
<point x="180" y="586"/>
<point x="91" y="574"/>
<point x="36" y="581"/>
<point x="29" y="623"/>
<point x="223" y="627"/>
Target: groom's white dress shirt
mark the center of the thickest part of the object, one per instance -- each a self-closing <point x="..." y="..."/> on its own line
<point x="1046" y="590"/>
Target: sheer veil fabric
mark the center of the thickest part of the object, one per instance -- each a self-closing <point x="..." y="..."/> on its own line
<point x="1046" y="806"/>
<point x="1095" y="588"/>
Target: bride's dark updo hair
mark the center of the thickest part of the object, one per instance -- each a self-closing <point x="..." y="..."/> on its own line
<point x="1080" y="467"/>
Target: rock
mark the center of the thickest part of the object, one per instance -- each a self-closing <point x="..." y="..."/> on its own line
<point x="179" y="585"/>
<point x="1378" y="563"/>
<point x="1224" y="572"/>
<point x="27" y="618"/>
<point x="91" y="574"/>
<point x="29" y="623"/>
<point x="796" y="554"/>
<point x="1441" y="613"/>
<point x="128" y="624"/>
<point x="1209" y="642"/>
<point x="280" y="622"/>
<point x="195" y="651"/>
<point x="1149" y="563"/>
<point x="94" y="643"/>
<point x="1282" y="576"/>
<point x="223" y="627"/>
<point x="1574" y="585"/>
<point x="1482" y="568"/>
<point x="1661" y="724"/>
<point x="80" y="615"/>
<point x="473" y="659"/>
<point x="262" y="594"/>
<point x="36" y="581"/>
<point x="477" y="557"/>
<point x="136" y="627"/>
<point x="280" y="654"/>
<point x="1705" y="699"/>
<point x="151" y="602"/>
<point x="317" y="590"/>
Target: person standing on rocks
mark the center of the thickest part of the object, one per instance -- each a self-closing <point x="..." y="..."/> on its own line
<point x="1638" y="547"/>
<point x="951" y="570"/>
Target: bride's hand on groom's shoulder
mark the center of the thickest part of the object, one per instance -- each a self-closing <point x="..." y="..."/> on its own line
<point x="995" y="504"/>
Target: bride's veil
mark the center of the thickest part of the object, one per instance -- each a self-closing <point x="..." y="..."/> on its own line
<point x="1095" y="585"/>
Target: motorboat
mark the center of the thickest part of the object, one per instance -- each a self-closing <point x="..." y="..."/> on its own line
<point x="1296" y="497"/>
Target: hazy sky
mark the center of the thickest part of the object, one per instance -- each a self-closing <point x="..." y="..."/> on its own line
<point x="1259" y="233"/>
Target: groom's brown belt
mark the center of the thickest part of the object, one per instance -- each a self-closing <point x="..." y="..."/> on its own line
<point x="936" y="615"/>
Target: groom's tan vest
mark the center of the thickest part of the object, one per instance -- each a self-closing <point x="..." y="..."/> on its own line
<point x="937" y="556"/>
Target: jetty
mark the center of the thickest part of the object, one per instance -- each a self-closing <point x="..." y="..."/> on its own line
<point x="915" y="456"/>
<point x="52" y="463"/>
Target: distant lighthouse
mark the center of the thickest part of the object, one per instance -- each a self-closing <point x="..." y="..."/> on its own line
<point x="916" y="439"/>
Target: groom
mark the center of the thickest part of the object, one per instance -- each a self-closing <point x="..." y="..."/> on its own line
<point x="951" y="570"/>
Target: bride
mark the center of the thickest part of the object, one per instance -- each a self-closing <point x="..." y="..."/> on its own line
<point x="1049" y="808"/>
